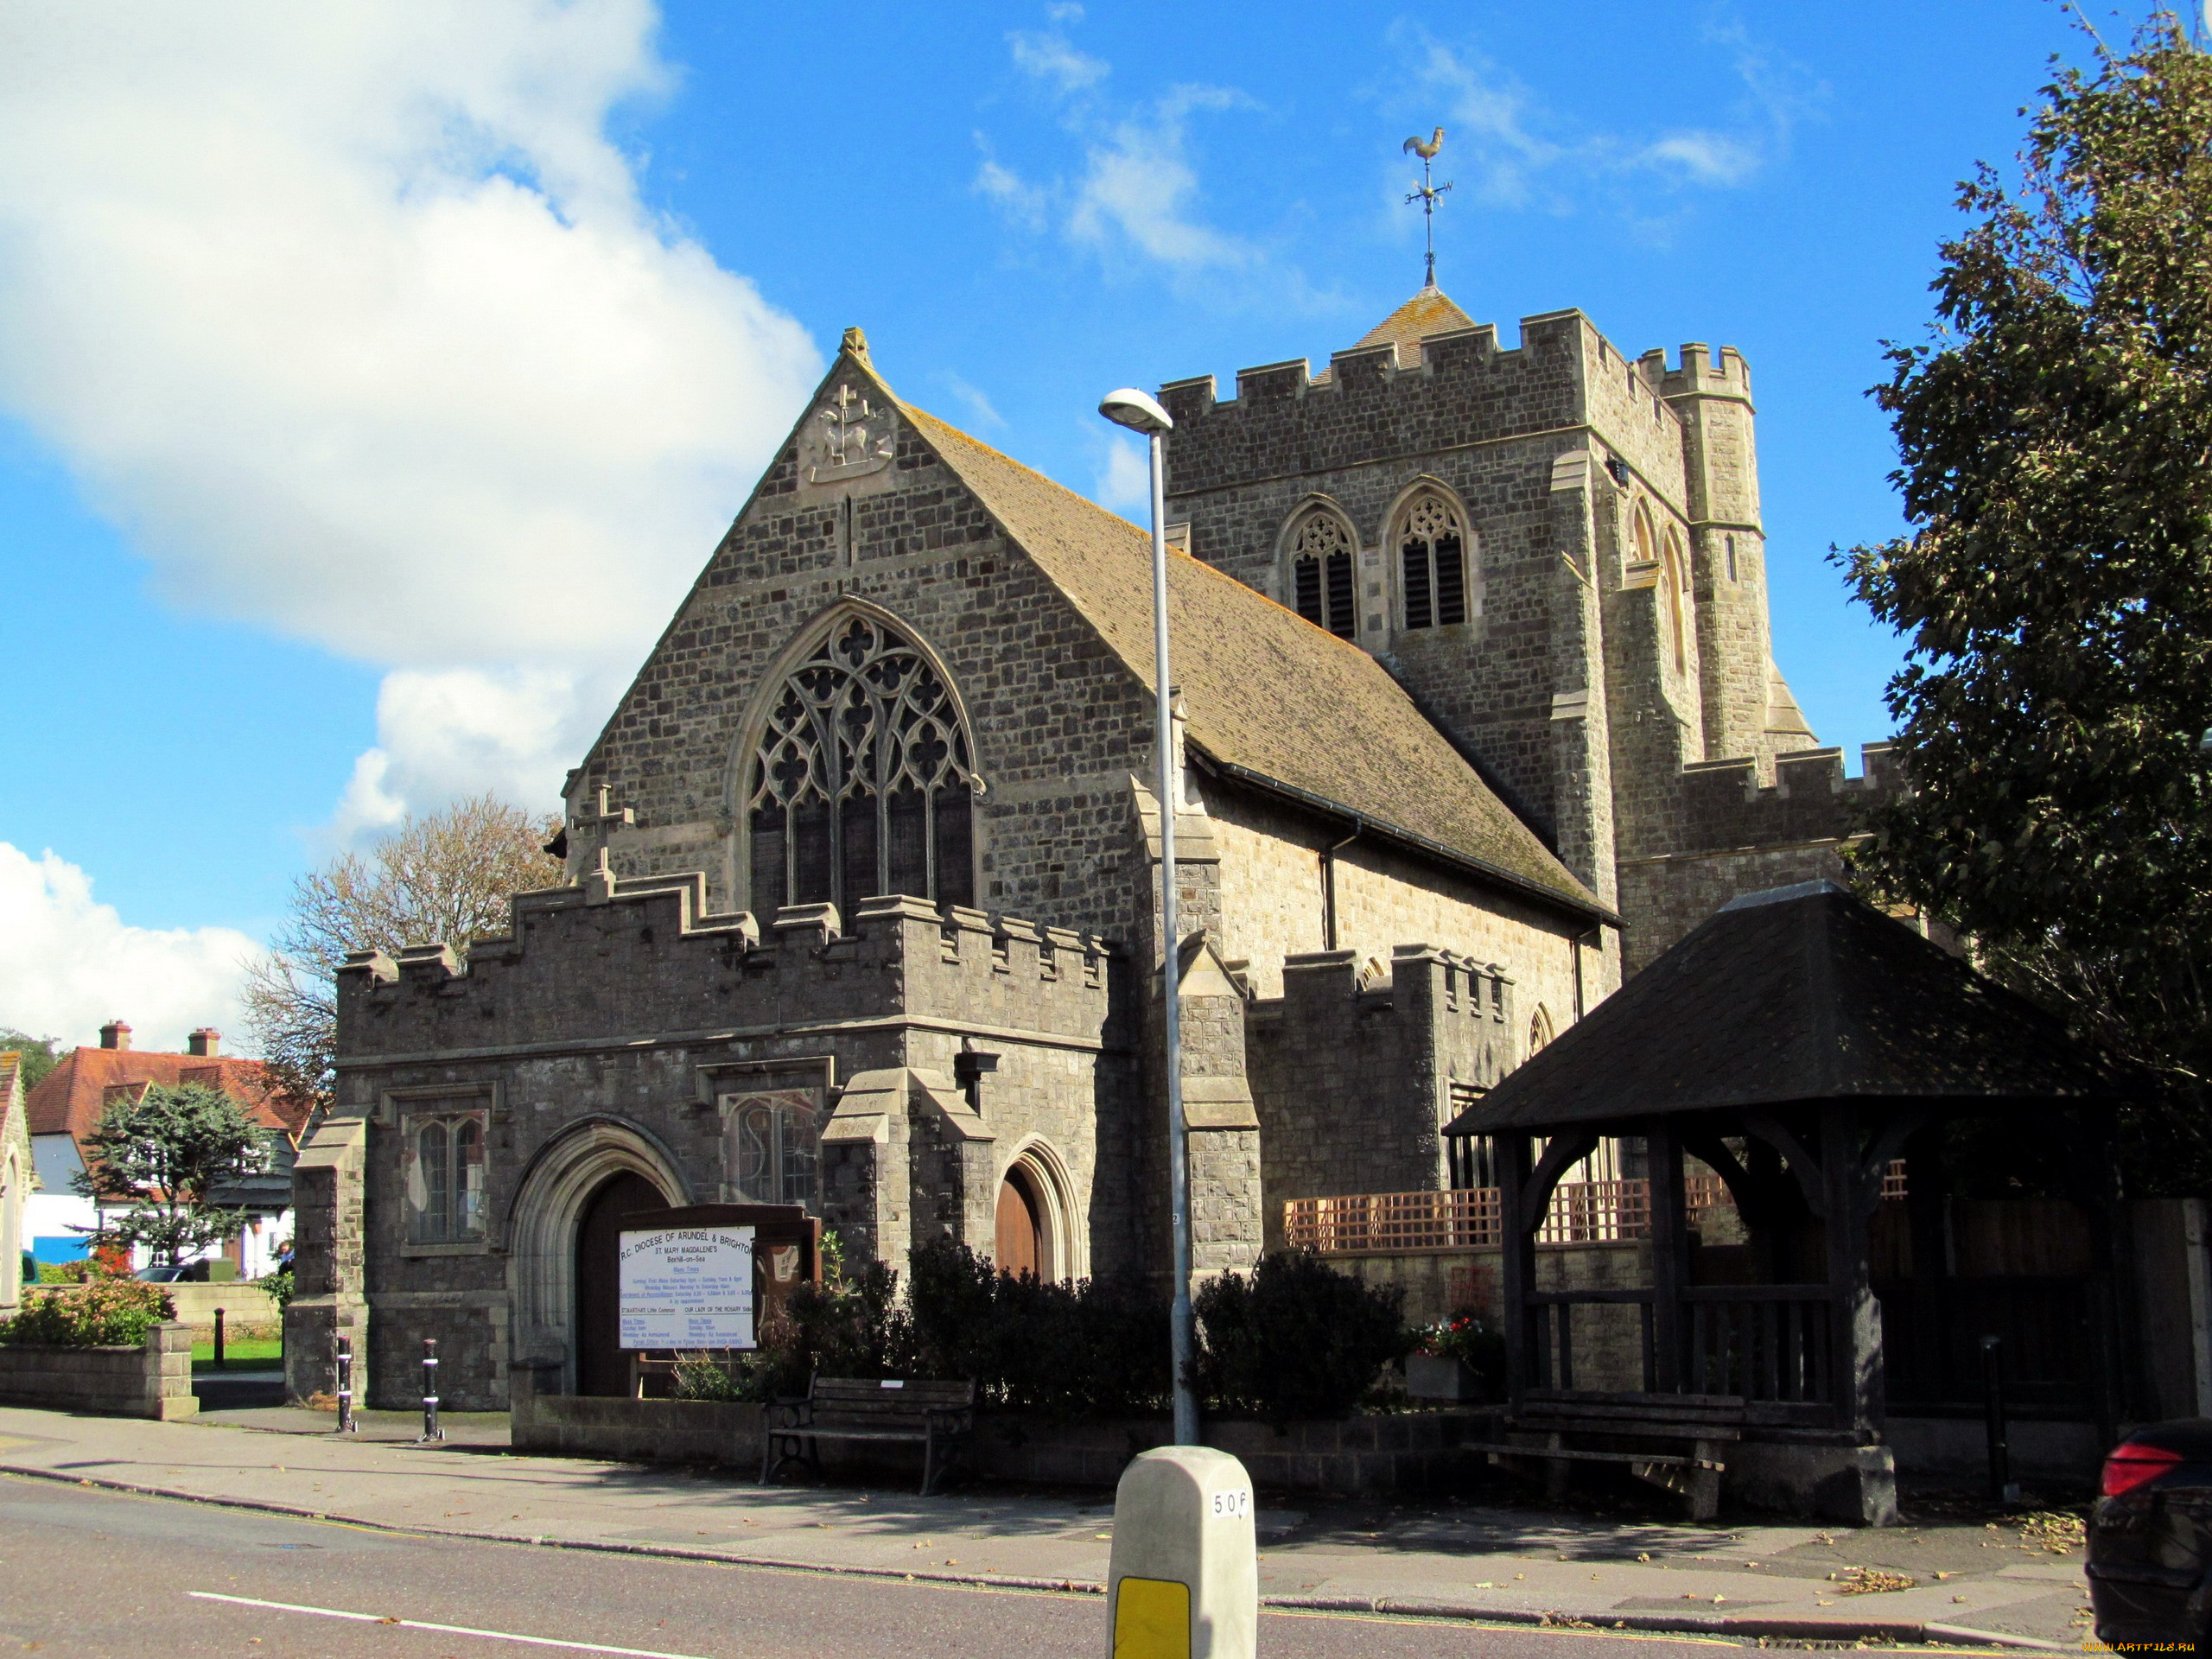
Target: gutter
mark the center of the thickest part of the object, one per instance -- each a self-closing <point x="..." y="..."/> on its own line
<point x="1435" y="850"/>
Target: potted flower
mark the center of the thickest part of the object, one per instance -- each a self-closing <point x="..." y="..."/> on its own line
<point x="1459" y="1359"/>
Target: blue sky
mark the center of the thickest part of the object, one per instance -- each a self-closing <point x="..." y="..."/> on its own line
<point x="374" y="377"/>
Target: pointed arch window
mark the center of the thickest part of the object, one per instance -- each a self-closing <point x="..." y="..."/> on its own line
<point x="1433" y="565"/>
<point x="1321" y="575"/>
<point x="861" y="782"/>
<point x="1675" y="592"/>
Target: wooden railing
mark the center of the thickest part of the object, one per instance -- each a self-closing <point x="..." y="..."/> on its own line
<point x="1467" y="1218"/>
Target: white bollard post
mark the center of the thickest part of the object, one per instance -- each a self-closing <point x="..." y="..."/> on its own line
<point x="1184" y="1580"/>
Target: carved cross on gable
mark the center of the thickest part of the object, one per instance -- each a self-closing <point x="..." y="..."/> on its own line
<point x="603" y="818"/>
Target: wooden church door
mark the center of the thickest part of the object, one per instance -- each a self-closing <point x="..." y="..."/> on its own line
<point x="1020" y="1235"/>
<point x="601" y="1366"/>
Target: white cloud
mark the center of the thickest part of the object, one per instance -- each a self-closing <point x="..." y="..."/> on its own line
<point x="72" y="963"/>
<point x="981" y="409"/>
<point x="1124" y="483"/>
<point x="1521" y="155"/>
<point x="1136" y="190"/>
<point x="351" y="315"/>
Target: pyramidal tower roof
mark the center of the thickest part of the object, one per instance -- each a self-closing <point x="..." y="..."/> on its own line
<point x="1429" y="312"/>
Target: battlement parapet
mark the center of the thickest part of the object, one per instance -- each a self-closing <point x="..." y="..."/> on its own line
<point x="1449" y="388"/>
<point x="1696" y="373"/>
<point x="1725" y="806"/>
<point x="621" y="959"/>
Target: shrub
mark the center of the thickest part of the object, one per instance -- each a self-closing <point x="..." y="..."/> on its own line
<point x="703" y="1375"/>
<point x="106" y="1312"/>
<point x="1097" y="1347"/>
<point x="1295" y="1340"/>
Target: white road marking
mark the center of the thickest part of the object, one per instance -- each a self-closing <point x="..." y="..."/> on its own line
<point x="448" y="1629"/>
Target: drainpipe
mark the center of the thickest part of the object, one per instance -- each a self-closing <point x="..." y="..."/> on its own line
<point x="1329" y="883"/>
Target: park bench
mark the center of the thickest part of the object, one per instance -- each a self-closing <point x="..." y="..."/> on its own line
<point x="939" y="1417"/>
<point x="1631" y="1428"/>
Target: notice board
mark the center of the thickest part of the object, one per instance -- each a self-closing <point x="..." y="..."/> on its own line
<point x="686" y="1287"/>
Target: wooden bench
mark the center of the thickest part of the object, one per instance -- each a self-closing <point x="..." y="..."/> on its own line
<point x="939" y="1417"/>
<point x="1705" y="1424"/>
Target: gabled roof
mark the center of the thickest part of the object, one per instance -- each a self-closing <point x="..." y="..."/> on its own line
<point x="1429" y="312"/>
<point x="1270" y="694"/>
<point x="70" y="1098"/>
<point x="1798" y="994"/>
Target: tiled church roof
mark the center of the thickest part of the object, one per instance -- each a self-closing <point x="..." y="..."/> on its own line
<point x="1799" y="994"/>
<point x="1267" y="692"/>
<point x="1429" y="312"/>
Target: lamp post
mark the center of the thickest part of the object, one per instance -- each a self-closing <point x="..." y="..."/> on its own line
<point x="1137" y="412"/>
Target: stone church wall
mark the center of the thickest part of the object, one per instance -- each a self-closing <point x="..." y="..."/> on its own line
<point x="1057" y="724"/>
<point x="618" y="1018"/>
<point x="1354" y="1075"/>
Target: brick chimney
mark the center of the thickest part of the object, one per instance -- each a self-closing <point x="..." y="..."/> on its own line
<point x="115" y="1034"/>
<point x="205" y="1043"/>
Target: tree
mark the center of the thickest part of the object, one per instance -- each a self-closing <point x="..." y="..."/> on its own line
<point x="2056" y="591"/>
<point x="441" y="877"/>
<point x="39" y="1055"/>
<point x="161" y="1154"/>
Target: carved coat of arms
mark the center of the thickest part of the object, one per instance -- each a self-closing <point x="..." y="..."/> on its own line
<point x="846" y="438"/>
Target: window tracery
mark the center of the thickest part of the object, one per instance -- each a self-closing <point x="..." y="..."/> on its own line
<point x="1433" y="565"/>
<point x="861" y="782"/>
<point x="1674" y="586"/>
<point x="1321" y="575"/>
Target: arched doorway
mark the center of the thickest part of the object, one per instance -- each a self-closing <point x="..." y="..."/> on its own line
<point x="601" y="1366"/>
<point x="1021" y="1245"/>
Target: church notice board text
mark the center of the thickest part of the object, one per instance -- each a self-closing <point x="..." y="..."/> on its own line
<point x="687" y="1287"/>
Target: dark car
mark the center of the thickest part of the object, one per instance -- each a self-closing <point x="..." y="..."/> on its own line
<point x="2151" y="1537"/>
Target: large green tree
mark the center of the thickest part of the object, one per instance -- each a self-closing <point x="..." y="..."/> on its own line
<point x="160" y="1156"/>
<point x="2056" y="591"/>
<point x="439" y="877"/>
<point x="37" y="1055"/>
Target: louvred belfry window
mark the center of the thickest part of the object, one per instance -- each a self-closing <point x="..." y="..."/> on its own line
<point x="1431" y="551"/>
<point x="1321" y="575"/>
<point x="862" y="784"/>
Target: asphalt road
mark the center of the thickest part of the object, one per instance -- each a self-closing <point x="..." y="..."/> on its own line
<point x="84" y="1570"/>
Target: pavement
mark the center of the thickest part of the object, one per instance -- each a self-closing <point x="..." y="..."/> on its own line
<point x="1971" y="1581"/>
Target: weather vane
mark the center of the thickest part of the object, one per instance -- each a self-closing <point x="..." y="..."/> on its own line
<point x="1430" y="190"/>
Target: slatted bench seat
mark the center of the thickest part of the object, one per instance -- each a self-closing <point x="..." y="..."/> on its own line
<point x="1703" y="1424"/>
<point x="939" y="1417"/>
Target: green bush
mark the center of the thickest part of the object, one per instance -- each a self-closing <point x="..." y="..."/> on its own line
<point x="105" y="1313"/>
<point x="1295" y="1340"/>
<point x="1095" y="1347"/>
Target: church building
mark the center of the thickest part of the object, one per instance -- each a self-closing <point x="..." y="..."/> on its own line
<point x="1475" y="714"/>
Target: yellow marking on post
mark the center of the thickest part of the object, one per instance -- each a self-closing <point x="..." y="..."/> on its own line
<point x="1151" y="1619"/>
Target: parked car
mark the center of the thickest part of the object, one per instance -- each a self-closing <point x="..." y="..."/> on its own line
<point x="165" y="1273"/>
<point x="2150" y="1563"/>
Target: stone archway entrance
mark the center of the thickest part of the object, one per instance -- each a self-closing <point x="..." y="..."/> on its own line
<point x="601" y="1366"/>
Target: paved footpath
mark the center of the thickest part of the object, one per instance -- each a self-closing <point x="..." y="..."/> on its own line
<point x="1968" y="1583"/>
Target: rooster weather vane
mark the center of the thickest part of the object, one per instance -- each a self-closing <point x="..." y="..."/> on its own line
<point x="1429" y="191"/>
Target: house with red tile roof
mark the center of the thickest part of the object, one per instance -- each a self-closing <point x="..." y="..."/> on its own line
<point x="66" y="1107"/>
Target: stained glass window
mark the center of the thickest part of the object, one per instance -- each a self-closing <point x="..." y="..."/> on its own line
<point x="861" y="782"/>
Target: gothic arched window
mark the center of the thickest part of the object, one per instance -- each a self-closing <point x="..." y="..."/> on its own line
<point x="1321" y="575"/>
<point x="860" y="783"/>
<point x="1675" y="589"/>
<point x="1432" y="564"/>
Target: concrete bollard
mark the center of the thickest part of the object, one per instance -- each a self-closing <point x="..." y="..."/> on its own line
<point x="1184" y="1578"/>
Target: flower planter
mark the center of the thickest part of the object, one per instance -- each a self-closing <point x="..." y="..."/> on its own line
<point x="1440" y="1376"/>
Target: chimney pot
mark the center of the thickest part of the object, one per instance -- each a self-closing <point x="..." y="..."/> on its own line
<point x="204" y="1043"/>
<point x="115" y="1034"/>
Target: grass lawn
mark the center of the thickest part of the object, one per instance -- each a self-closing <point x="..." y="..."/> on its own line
<point x="239" y="1353"/>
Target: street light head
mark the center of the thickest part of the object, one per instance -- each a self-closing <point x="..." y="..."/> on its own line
<point x="1136" y="410"/>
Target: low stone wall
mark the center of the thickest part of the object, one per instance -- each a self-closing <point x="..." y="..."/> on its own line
<point x="247" y="1310"/>
<point x="152" y="1381"/>
<point x="1409" y="1452"/>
